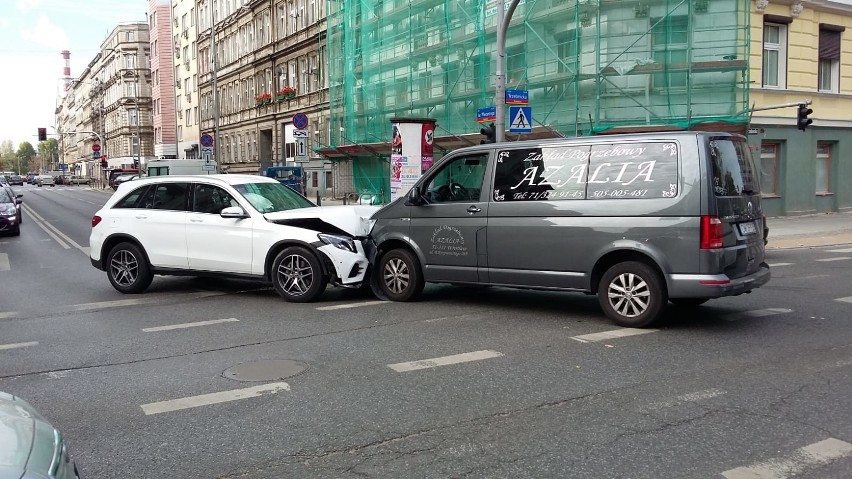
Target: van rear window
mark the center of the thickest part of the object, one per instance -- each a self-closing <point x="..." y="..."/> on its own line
<point x="733" y="168"/>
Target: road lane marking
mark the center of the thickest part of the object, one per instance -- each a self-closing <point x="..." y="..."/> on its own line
<point x="213" y="398"/>
<point x="839" y="258"/>
<point x="757" y="313"/>
<point x="843" y="250"/>
<point x="350" y="305"/>
<point x="189" y="325"/>
<point x="8" y="314"/>
<point x="847" y="299"/>
<point x="18" y="345"/>
<point x="4" y="262"/>
<point x="615" y="333"/>
<point x="691" y="397"/>
<point x="40" y="220"/>
<point x="41" y="225"/>
<point x="118" y="303"/>
<point x="445" y="360"/>
<point x="804" y="458"/>
<point x="775" y="265"/>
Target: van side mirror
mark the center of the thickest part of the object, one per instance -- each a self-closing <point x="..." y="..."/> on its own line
<point x="415" y="198"/>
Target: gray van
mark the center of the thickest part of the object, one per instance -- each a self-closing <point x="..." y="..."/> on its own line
<point x="637" y="219"/>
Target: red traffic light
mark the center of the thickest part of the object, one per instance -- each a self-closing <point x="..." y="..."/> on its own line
<point x="42" y="134"/>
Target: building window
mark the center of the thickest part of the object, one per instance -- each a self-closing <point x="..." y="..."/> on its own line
<point x="134" y="146"/>
<point x="828" y="76"/>
<point x="180" y="132"/>
<point x="130" y="61"/>
<point x="669" y="42"/>
<point x="130" y="36"/>
<point x="774" y="55"/>
<point x="769" y="153"/>
<point x="188" y="115"/>
<point x="823" y="168"/>
<point x="132" y="117"/>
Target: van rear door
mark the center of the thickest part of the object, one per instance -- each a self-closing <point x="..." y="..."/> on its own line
<point x="736" y="194"/>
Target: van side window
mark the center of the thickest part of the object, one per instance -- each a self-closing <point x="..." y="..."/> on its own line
<point x="459" y="180"/>
<point x="633" y="170"/>
<point x="539" y="174"/>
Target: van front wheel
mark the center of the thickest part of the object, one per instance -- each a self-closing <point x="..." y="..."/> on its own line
<point x="632" y="294"/>
<point x="399" y="275"/>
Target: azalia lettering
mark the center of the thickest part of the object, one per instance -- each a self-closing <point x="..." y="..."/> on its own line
<point x="627" y="174"/>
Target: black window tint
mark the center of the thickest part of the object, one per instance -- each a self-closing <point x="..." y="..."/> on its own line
<point x="633" y="170"/>
<point x="134" y="199"/>
<point x="733" y="169"/>
<point x="168" y="196"/>
<point x="211" y="199"/>
<point x="538" y="174"/>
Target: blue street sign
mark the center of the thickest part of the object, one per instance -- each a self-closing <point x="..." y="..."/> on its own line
<point x="206" y="140"/>
<point x="96" y="155"/>
<point x="300" y="121"/>
<point x="517" y="97"/>
<point x="484" y="115"/>
<point x="521" y="119"/>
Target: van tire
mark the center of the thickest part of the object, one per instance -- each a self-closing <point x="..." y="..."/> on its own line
<point x="297" y="275"/>
<point x="399" y="275"/>
<point x="128" y="269"/>
<point x="632" y="294"/>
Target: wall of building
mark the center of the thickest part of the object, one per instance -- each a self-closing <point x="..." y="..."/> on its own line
<point x="163" y="79"/>
<point x="184" y="34"/>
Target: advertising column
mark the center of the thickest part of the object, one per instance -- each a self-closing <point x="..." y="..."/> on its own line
<point x="411" y="152"/>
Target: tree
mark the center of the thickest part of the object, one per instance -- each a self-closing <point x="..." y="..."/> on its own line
<point x="8" y="161"/>
<point x="35" y="164"/>
<point x="7" y="147"/>
<point x="48" y="150"/>
<point x="25" y="154"/>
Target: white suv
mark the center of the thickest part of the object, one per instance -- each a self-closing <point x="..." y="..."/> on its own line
<point x="228" y="225"/>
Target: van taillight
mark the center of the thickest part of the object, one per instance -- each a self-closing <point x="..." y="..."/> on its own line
<point x="95" y="220"/>
<point x="711" y="232"/>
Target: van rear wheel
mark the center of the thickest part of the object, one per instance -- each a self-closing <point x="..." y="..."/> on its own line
<point x="399" y="275"/>
<point x="632" y="294"/>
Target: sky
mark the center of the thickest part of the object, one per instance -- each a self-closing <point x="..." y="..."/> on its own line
<point x="32" y="35"/>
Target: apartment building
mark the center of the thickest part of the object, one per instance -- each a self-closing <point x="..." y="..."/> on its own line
<point x="162" y="79"/>
<point x="185" y="104"/>
<point x="802" y="51"/>
<point x="271" y="58"/>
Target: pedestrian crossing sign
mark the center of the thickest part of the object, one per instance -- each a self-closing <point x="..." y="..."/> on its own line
<point x="521" y="119"/>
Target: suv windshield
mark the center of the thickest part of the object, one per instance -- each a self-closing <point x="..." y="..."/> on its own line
<point x="272" y="197"/>
<point x="733" y="169"/>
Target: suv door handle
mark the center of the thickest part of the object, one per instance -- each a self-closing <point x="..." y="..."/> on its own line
<point x="196" y="220"/>
<point x="141" y="217"/>
<point x="473" y="209"/>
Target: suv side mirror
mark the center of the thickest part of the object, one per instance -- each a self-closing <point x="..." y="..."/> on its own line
<point x="233" y="212"/>
<point x="415" y="198"/>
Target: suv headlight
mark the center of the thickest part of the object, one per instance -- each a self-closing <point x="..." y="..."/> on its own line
<point x="341" y="242"/>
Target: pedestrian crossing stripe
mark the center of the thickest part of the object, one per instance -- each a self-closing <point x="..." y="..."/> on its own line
<point x="521" y="119"/>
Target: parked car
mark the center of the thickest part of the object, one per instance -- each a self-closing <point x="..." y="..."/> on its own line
<point x="123" y="178"/>
<point x="10" y="212"/>
<point x="45" y="180"/>
<point x="16" y="196"/>
<point x="31" y="177"/>
<point x="77" y="180"/>
<point x="32" y="447"/>
<point x="16" y="180"/>
<point x="242" y="226"/>
<point x="638" y="220"/>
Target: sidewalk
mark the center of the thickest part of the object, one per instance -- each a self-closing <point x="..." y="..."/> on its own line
<point x="824" y="229"/>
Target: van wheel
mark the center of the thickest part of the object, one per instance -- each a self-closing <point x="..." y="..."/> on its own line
<point x="688" y="302"/>
<point x="399" y="275"/>
<point x="297" y="275"/>
<point x="127" y="269"/>
<point x="632" y="294"/>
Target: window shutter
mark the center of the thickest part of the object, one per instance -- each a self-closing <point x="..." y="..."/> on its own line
<point x="829" y="45"/>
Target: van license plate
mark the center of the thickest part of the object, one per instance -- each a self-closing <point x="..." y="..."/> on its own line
<point x="748" y="228"/>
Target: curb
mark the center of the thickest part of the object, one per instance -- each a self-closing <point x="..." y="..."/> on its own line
<point x="832" y="239"/>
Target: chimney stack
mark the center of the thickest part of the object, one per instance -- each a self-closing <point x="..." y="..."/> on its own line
<point x="66" y="71"/>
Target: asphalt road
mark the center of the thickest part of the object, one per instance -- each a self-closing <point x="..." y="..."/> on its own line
<point x="468" y="382"/>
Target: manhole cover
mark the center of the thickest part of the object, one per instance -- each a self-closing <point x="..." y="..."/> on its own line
<point x="265" y="370"/>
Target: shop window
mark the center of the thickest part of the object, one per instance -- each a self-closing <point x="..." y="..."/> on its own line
<point x="823" y="168"/>
<point x="769" y="153"/>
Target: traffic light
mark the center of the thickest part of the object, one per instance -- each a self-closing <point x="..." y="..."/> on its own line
<point x="802" y="120"/>
<point x="42" y="134"/>
<point x="490" y="134"/>
<point x="104" y="163"/>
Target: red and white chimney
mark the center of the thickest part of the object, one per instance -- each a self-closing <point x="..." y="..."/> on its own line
<point x="66" y="70"/>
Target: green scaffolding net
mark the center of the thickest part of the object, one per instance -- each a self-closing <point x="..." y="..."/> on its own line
<point x="589" y="66"/>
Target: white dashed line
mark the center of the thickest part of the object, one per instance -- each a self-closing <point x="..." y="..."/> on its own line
<point x="775" y="265"/>
<point x="847" y="299"/>
<point x="800" y="460"/>
<point x="844" y="250"/>
<point x="213" y="398"/>
<point x="8" y="314"/>
<point x="444" y="361"/>
<point x="189" y="325"/>
<point x="18" y="345"/>
<point x="615" y="333"/>
<point x="839" y="258"/>
<point x="351" y="305"/>
<point x="110" y="304"/>
<point x="757" y="313"/>
<point x="4" y="262"/>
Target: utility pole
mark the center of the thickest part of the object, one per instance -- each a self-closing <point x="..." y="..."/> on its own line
<point x="504" y="18"/>
<point x="214" y="66"/>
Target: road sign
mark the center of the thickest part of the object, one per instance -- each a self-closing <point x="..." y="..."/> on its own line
<point x="208" y="167"/>
<point x="96" y="154"/>
<point x="300" y="121"/>
<point x="207" y="153"/>
<point x="517" y="97"/>
<point x="302" y="150"/>
<point x="521" y="119"/>
<point x="484" y="115"/>
<point x="206" y="140"/>
<point x="96" y="147"/>
<point x="300" y="134"/>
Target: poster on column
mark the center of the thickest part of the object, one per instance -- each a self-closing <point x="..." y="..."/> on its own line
<point x="427" y="139"/>
<point x="405" y="164"/>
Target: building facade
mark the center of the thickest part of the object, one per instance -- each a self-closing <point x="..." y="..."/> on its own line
<point x="802" y="51"/>
<point x="162" y="79"/>
<point x="185" y="104"/>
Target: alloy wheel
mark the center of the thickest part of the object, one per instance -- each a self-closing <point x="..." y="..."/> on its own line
<point x="124" y="268"/>
<point x="396" y="275"/>
<point x="629" y="294"/>
<point x="297" y="274"/>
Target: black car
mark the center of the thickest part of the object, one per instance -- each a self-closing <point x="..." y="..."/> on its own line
<point x="16" y="180"/>
<point x="10" y="212"/>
